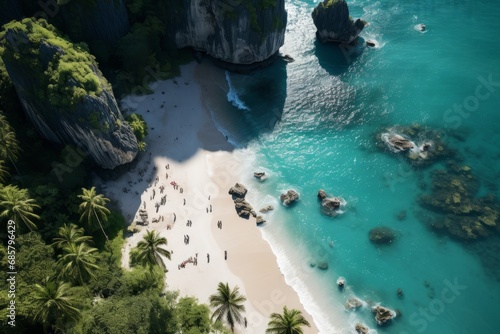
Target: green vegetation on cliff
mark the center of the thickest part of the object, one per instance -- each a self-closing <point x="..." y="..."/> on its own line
<point x="69" y="73"/>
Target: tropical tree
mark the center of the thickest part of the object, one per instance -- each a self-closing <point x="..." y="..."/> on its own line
<point x="10" y="148"/>
<point x="70" y="234"/>
<point x="228" y="305"/>
<point x="77" y="262"/>
<point x="55" y="305"/>
<point x="149" y="251"/>
<point x="4" y="173"/>
<point x="290" y="322"/>
<point x="16" y="204"/>
<point x="93" y="206"/>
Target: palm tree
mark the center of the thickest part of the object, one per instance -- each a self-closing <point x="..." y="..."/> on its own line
<point x="10" y="146"/>
<point x="54" y="304"/>
<point x="93" y="206"/>
<point x="16" y="205"/>
<point x="78" y="262"/>
<point x="149" y="251"/>
<point x="290" y="322"/>
<point x="228" y="304"/>
<point x="4" y="173"/>
<point x="70" y="234"/>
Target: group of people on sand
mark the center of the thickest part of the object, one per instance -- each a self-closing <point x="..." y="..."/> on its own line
<point x="192" y="260"/>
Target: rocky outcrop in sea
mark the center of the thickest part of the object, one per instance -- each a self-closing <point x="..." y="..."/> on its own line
<point x="419" y="145"/>
<point x="289" y="197"/>
<point x="64" y="93"/>
<point x="331" y="18"/>
<point x="237" y="32"/>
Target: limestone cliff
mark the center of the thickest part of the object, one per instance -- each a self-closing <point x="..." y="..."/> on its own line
<point x="234" y="31"/>
<point x="64" y="94"/>
<point x="331" y="18"/>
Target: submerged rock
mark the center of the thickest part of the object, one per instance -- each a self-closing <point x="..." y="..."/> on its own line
<point x="383" y="315"/>
<point x="238" y="190"/>
<point x="361" y="328"/>
<point x="236" y="32"/>
<point x="333" y="23"/>
<point x="323" y="265"/>
<point x="266" y="209"/>
<point x="353" y="304"/>
<point x="460" y="212"/>
<point x="64" y="94"/>
<point x="382" y="235"/>
<point x="291" y="196"/>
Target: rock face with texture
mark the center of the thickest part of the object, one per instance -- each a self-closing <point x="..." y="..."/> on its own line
<point x="361" y="328"/>
<point x="331" y="18"/>
<point x="383" y="315"/>
<point x="238" y="32"/>
<point x="64" y="94"/>
<point x="238" y="190"/>
<point x="291" y="196"/>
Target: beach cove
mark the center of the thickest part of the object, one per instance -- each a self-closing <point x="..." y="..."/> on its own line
<point x="185" y="147"/>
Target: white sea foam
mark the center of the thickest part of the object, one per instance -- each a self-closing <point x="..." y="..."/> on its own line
<point x="232" y="95"/>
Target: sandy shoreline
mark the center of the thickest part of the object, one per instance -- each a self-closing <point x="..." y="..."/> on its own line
<point x="184" y="146"/>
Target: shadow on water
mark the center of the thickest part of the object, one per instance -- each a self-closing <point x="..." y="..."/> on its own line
<point x="249" y="105"/>
<point x="336" y="58"/>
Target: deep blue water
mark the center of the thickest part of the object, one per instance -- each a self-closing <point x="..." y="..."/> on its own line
<point x="311" y="125"/>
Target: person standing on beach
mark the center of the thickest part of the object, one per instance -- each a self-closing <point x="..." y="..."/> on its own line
<point x="208" y="258"/>
<point x="225" y="255"/>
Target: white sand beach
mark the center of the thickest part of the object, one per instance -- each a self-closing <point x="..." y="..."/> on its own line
<point x="185" y="147"/>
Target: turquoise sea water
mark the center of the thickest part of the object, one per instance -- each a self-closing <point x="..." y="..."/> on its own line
<point x="311" y="125"/>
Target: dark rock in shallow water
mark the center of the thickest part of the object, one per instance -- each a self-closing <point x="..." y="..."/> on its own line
<point x="383" y="315"/>
<point x="260" y="220"/>
<point x="259" y="175"/>
<point x="400" y="293"/>
<point x="288" y="58"/>
<point x="291" y="196"/>
<point x="322" y="194"/>
<point x="341" y="282"/>
<point x="382" y="235"/>
<point x="241" y="33"/>
<point x="266" y="209"/>
<point x="323" y="265"/>
<point x="371" y="44"/>
<point x="65" y="95"/>
<point x="238" y="190"/>
<point x="331" y="18"/>
<point x="361" y="328"/>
